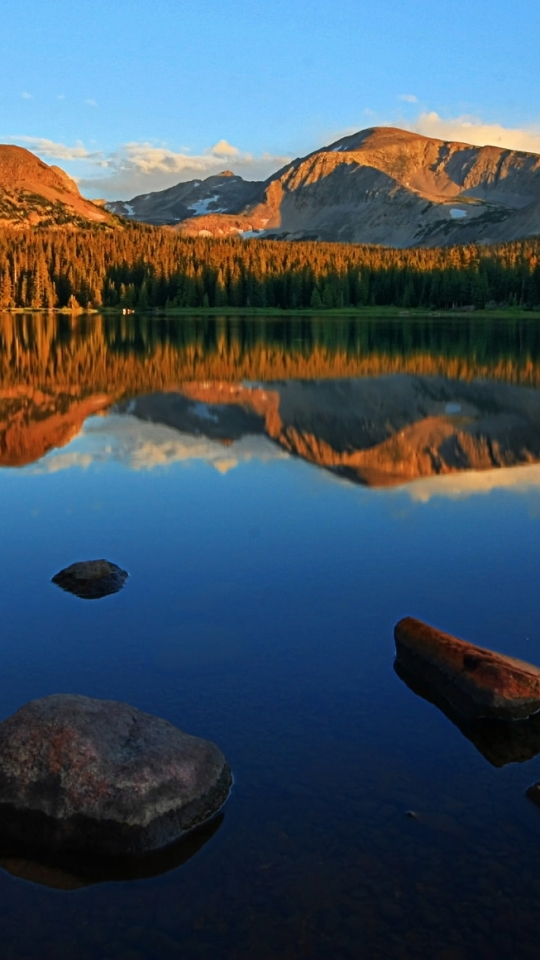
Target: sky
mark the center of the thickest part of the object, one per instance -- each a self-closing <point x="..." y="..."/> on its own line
<point x="130" y="96"/>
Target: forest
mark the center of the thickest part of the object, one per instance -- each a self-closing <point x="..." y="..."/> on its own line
<point x="146" y="268"/>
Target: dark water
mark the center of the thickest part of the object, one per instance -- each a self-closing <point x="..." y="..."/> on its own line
<point x="270" y="558"/>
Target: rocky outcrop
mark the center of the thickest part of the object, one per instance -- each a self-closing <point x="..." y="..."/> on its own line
<point x="79" y="773"/>
<point x="474" y="681"/>
<point x="91" y="579"/>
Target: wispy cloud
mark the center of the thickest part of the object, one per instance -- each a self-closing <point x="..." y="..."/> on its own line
<point x="90" y="102"/>
<point x="140" y="167"/>
<point x="26" y="96"/>
<point x="470" y="129"/>
<point x="408" y="97"/>
<point x="60" y="151"/>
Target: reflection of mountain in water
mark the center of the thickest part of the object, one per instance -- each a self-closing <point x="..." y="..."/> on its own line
<point x="380" y="402"/>
<point x="377" y="431"/>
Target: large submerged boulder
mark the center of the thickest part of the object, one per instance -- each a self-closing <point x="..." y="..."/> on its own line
<point x="97" y="774"/>
<point x="474" y="681"/>
<point x="91" y="579"/>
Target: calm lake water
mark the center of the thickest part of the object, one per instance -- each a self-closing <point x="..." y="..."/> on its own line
<point x="282" y="493"/>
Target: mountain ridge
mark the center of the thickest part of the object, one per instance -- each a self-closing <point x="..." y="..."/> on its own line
<point x="380" y="185"/>
<point x="32" y="193"/>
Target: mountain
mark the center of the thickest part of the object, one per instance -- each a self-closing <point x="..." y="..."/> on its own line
<point x="382" y="185"/>
<point x="216" y="194"/>
<point x="32" y="193"/>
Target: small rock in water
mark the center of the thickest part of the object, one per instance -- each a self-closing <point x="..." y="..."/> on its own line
<point x="91" y="579"/>
<point x="79" y="773"/>
<point x="533" y="793"/>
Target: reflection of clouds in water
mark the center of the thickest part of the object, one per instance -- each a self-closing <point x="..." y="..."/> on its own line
<point x="141" y="445"/>
<point x="455" y="486"/>
<point x="63" y="461"/>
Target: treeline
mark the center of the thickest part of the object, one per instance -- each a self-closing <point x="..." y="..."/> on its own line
<point x="146" y="268"/>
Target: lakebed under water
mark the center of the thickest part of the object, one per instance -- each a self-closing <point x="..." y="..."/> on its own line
<point x="281" y="494"/>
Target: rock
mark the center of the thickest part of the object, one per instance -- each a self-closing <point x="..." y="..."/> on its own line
<point x="474" y="681"/>
<point x="499" y="741"/>
<point x="91" y="579"/>
<point x="533" y="793"/>
<point x="80" y="773"/>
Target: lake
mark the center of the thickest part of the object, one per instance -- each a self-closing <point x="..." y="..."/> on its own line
<point x="281" y="492"/>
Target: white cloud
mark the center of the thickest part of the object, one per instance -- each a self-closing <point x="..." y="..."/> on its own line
<point x="469" y="129"/>
<point x="90" y="102"/>
<point x="224" y="149"/>
<point x="408" y="98"/>
<point x="137" y="168"/>
<point x="26" y="96"/>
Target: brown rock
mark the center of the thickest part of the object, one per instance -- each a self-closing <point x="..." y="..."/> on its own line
<point x="475" y="681"/>
<point x="82" y="773"/>
<point x="91" y="579"/>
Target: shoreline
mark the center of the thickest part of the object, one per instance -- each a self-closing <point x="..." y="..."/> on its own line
<point x="369" y="313"/>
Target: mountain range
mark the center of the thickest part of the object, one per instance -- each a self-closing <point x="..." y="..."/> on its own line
<point x="381" y="185"/>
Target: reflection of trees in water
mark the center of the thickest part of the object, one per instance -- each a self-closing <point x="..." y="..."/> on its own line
<point x="148" y="352"/>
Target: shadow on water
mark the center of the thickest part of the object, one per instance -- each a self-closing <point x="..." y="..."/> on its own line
<point x="73" y="870"/>
<point x="499" y="741"/>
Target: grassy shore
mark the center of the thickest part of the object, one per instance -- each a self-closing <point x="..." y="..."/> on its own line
<point x="510" y="313"/>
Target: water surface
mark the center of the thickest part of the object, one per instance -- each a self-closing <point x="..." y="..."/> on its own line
<point x="281" y="493"/>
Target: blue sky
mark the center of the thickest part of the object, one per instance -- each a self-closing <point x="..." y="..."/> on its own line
<point x="135" y="95"/>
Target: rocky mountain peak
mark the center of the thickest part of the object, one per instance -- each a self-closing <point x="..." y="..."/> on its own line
<point x="32" y="192"/>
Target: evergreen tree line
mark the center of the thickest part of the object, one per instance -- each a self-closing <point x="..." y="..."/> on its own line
<point x="145" y="268"/>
